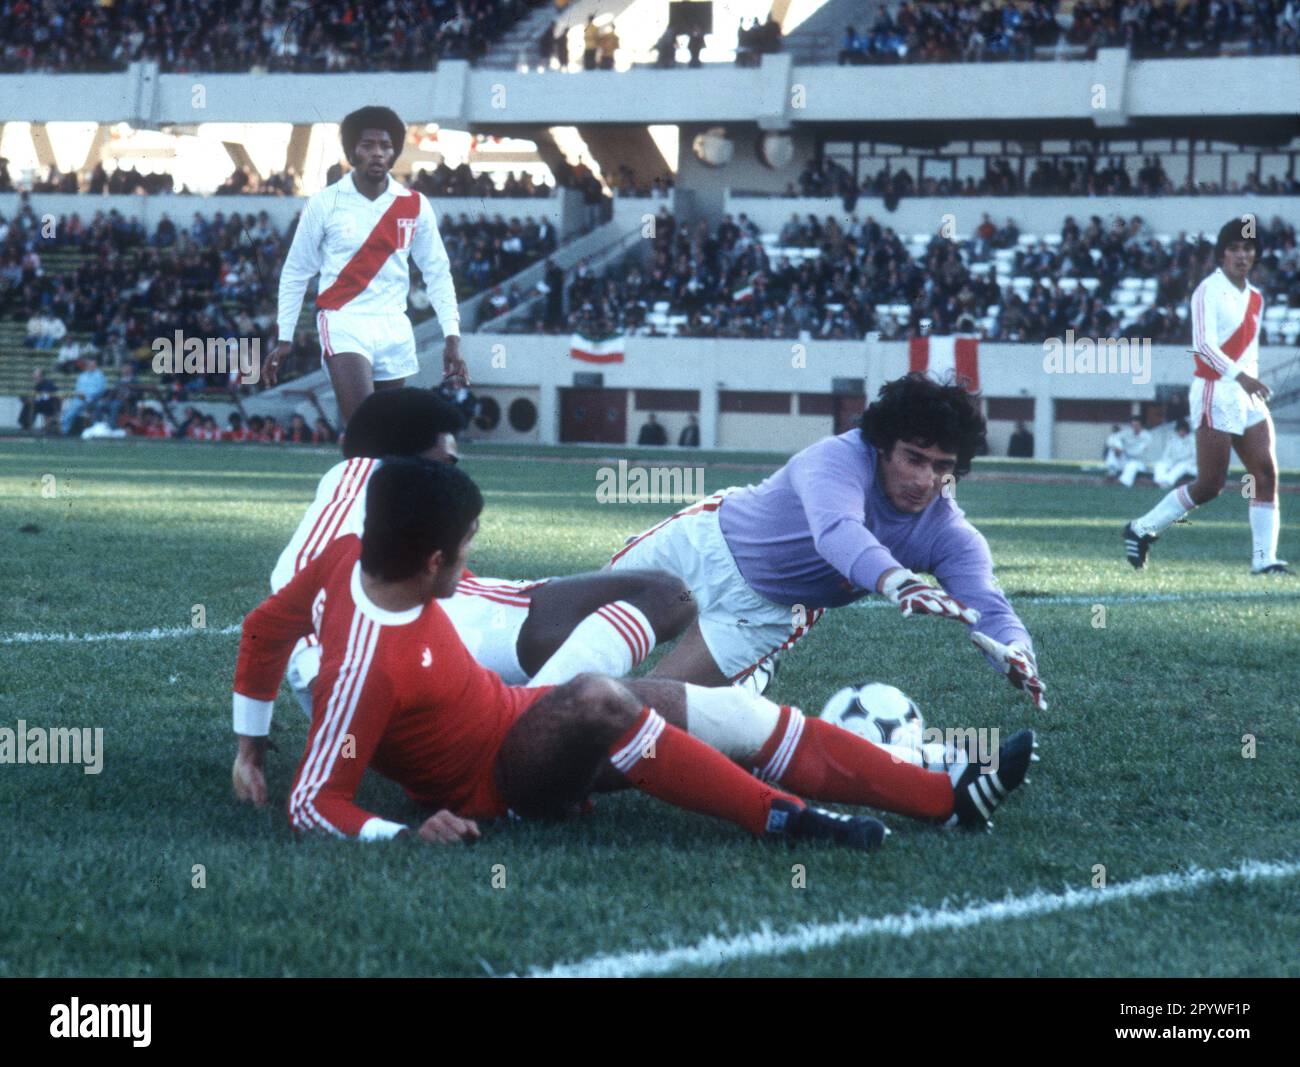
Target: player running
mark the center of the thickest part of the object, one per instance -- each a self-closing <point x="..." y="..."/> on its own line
<point x="399" y="691"/>
<point x="1228" y="406"/>
<point x="539" y="632"/>
<point x="359" y="235"/>
<point x="848" y="516"/>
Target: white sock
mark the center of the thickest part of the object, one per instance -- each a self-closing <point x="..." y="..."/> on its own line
<point x="611" y="640"/>
<point x="733" y="720"/>
<point x="1265" y="522"/>
<point x="1172" y="507"/>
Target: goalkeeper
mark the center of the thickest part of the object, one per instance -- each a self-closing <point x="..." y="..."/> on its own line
<point x="851" y="515"/>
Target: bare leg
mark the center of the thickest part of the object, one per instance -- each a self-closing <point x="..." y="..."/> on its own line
<point x="1213" y="451"/>
<point x="558" y="606"/>
<point x="691" y="661"/>
<point x="391" y="383"/>
<point x="353" y="379"/>
<point x="1259" y="454"/>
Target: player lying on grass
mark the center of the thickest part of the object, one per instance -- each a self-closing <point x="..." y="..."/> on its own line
<point x="541" y="632"/>
<point x="848" y="516"/>
<point x="399" y="691"/>
<point x="360" y="235"/>
<point x="1228" y="404"/>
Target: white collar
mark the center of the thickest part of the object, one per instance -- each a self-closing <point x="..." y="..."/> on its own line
<point x="373" y="611"/>
<point x="393" y="188"/>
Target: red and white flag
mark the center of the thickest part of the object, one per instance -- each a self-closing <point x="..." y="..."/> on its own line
<point x="597" y="349"/>
<point x="940" y="357"/>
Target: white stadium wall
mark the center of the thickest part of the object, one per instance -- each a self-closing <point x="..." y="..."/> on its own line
<point x="282" y="210"/>
<point x="777" y="95"/>
<point x="1071" y="412"/>
<point x="1036" y="215"/>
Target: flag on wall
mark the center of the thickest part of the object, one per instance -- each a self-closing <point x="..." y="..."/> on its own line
<point x="607" y="349"/>
<point x="941" y="357"/>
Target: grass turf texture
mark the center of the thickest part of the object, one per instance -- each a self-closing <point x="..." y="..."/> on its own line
<point x="1142" y="749"/>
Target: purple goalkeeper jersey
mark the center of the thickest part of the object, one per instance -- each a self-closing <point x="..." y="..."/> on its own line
<point x="821" y="531"/>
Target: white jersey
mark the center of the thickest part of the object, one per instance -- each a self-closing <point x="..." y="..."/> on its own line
<point x="487" y="613"/>
<point x="338" y="510"/>
<point x="361" y="249"/>
<point x="1225" y="327"/>
<point x="1180" y="449"/>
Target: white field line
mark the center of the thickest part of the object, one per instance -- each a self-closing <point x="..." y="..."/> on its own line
<point x="873" y="602"/>
<point x="764" y="942"/>
<point x="121" y="635"/>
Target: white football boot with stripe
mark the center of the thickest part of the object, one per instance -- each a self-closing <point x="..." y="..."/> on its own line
<point x="978" y="789"/>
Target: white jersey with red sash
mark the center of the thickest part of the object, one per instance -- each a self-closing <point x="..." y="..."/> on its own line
<point x="361" y="249"/>
<point x="1225" y="327"/>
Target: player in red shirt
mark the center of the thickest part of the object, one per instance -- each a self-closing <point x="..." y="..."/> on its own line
<point x="398" y="690"/>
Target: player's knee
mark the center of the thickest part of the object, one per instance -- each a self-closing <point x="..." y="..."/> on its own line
<point x="596" y="704"/>
<point x="668" y="604"/>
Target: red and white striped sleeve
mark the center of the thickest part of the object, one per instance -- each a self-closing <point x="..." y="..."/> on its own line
<point x="336" y="510"/>
<point x="1205" y="330"/>
<point x="342" y="741"/>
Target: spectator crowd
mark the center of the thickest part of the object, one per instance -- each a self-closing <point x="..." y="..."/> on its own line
<point x="1084" y="175"/>
<point x="724" y="284"/>
<point x="214" y="36"/>
<point x="974" y="30"/>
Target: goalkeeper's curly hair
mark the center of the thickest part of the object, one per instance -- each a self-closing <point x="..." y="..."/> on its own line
<point x="917" y="408"/>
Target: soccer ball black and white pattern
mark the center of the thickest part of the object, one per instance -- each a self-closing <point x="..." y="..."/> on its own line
<point x="878" y="712"/>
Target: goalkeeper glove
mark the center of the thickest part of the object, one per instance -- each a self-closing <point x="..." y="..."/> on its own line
<point x="915" y="597"/>
<point x="1018" y="663"/>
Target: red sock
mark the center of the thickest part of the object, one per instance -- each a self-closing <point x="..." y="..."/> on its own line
<point x="673" y="766"/>
<point x="823" y="762"/>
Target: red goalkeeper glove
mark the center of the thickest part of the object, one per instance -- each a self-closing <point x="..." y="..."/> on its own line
<point x="915" y="597"/>
<point x="1018" y="663"/>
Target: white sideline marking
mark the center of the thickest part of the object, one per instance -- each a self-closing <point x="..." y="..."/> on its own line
<point x="121" y="635"/>
<point x="865" y="602"/>
<point x="764" y="942"/>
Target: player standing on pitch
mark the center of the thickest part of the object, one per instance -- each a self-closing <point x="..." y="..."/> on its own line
<point x="359" y="235"/>
<point x="1228" y="405"/>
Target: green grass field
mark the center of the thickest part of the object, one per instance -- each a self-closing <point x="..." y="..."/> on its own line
<point x="1142" y="754"/>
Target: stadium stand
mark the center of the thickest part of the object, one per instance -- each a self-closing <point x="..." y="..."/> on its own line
<point x="838" y="281"/>
<point x="116" y="287"/>
<point x="974" y="31"/>
<point x="219" y="36"/>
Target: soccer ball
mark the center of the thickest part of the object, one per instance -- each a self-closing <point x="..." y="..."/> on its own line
<point x="878" y="712"/>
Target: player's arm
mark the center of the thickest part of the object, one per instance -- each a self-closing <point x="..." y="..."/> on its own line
<point x="430" y="256"/>
<point x="301" y="265"/>
<point x="831" y="484"/>
<point x="268" y="635"/>
<point x="964" y="567"/>
<point x="340" y="746"/>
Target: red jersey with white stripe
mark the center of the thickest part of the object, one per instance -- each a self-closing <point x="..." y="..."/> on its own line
<point x="397" y="691"/>
<point x="1225" y="326"/>
<point x="362" y="248"/>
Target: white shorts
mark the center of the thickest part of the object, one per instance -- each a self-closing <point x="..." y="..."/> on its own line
<point x="740" y="628"/>
<point x="488" y="614"/>
<point x="1224" y="405"/>
<point x="386" y="340"/>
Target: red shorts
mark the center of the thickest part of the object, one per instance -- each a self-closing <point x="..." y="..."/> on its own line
<point x="484" y="800"/>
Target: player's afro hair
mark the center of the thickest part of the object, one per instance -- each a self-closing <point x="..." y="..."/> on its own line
<point x="414" y="508"/>
<point x="399" y="422"/>
<point x="917" y="408"/>
<point x="371" y="118"/>
<point x="1235" y="230"/>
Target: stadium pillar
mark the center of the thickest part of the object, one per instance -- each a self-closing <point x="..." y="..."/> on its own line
<point x="41" y="143"/>
<point x="548" y="413"/>
<point x="1044" y="417"/>
<point x="95" y="153"/>
<point x="709" y="415"/>
<point x="295" y="155"/>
